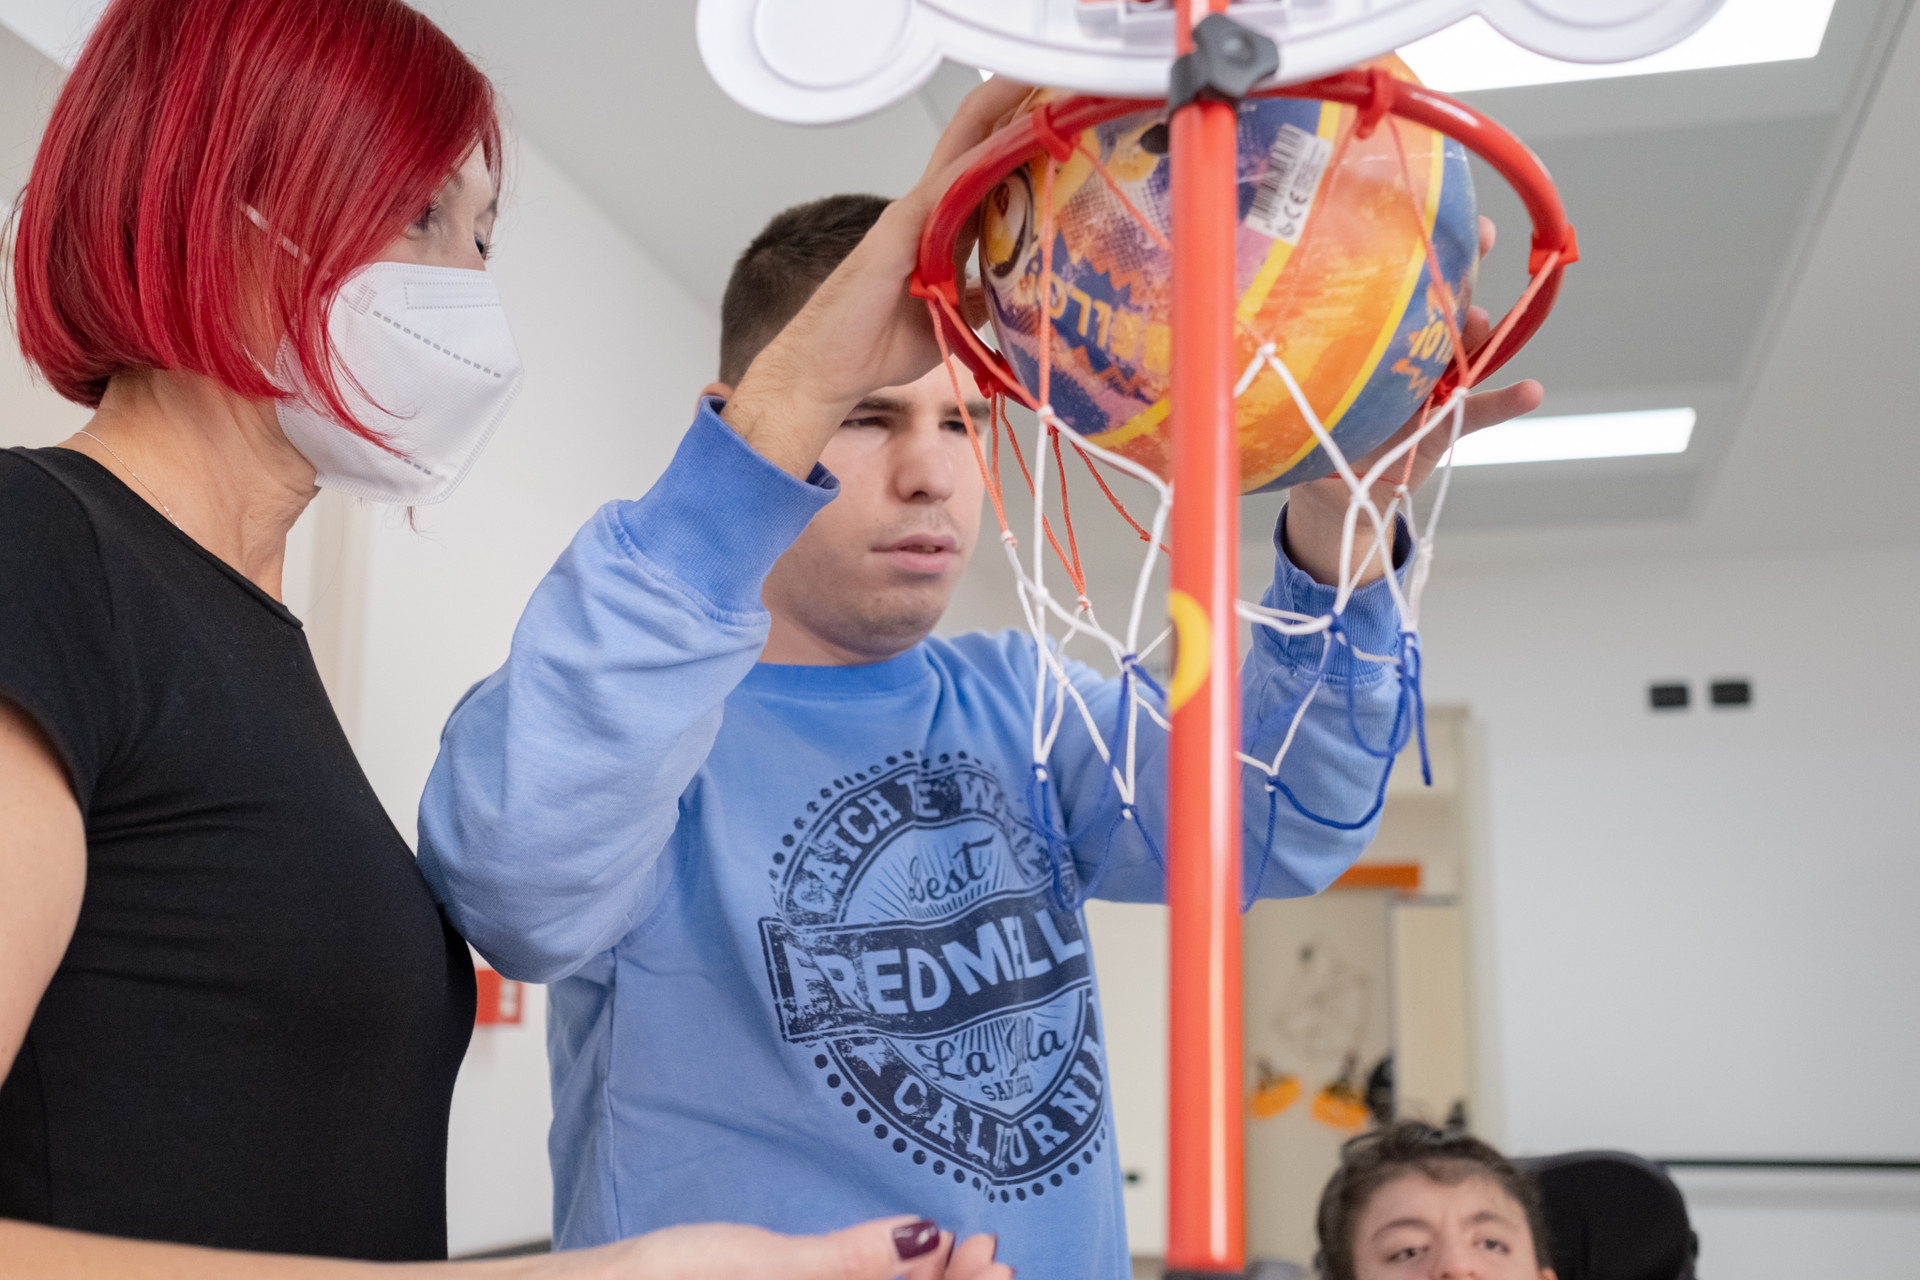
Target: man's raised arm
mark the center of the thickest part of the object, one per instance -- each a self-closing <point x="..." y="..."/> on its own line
<point x="559" y="776"/>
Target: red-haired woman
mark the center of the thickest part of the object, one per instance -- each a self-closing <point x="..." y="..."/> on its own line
<point x="230" y="1013"/>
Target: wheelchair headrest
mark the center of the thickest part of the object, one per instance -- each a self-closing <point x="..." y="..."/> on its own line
<point x="1614" y="1216"/>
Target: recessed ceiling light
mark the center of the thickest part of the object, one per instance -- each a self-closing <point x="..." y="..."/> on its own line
<point x="1472" y="55"/>
<point x="1580" y="435"/>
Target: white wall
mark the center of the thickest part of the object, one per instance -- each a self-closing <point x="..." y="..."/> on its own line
<point x="1702" y="922"/>
<point x="30" y="414"/>
<point x="615" y="355"/>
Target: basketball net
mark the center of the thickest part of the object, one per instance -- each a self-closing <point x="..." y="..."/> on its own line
<point x="1205" y="893"/>
<point x="1065" y="622"/>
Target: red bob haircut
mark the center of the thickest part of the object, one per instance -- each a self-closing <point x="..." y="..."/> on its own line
<point x="336" y="121"/>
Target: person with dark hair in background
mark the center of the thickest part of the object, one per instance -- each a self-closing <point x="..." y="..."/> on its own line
<point x="1410" y="1202"/>
<point x="231" y="1014"/>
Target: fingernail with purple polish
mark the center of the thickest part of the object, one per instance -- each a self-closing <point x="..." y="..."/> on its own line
<point x="916" y="1239"/>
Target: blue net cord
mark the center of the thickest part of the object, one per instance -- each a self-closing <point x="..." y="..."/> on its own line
<point x="1409" y="720"/>
<point x="1130" y="666"/>
<point x="1040" y="810"/>
<point x="1411" y="661"/>
<point x="1250" y="888"/>
<point x="1059" y="842"/>
<point x="1379" y="798"/>
<point x="1402" y="727"/>
<point x="1066" y="888"/>
<point x="1409" y="723"/>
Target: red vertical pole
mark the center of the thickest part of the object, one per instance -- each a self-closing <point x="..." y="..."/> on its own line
<point x="1206" y="1219"/>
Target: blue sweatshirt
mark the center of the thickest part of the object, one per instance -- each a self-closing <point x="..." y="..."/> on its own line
<point x="813" y="957"/>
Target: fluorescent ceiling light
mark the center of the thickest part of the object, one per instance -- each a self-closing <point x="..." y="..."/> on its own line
<point x="1472" y="55"/>
<point x="1581" y="435"/>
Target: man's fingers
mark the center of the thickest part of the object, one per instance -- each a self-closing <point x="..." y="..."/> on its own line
<point x="1490" y="408"/>
<point x="1477" y="328"/>
<point x="973" y="1260"/>
<point x="973" y="304"/>
<point x="1486" y="235"/>
<point x="979" y="112"/>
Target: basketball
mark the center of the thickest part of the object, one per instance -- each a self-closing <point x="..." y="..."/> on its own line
<point x="1330" y="268"/>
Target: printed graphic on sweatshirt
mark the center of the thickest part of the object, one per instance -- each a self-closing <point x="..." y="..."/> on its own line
<point x="949" y="1002"/>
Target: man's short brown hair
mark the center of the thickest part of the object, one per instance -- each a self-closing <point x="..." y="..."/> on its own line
<point x="782" y="267"/>
<point x="1372" y="1160"/>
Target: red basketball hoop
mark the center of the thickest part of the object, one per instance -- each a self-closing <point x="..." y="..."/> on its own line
<point x="1206" y="1219"/>
<point x="1052" y="127"/>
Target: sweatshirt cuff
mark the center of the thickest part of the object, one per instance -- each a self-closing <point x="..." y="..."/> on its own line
<point x="721" y="514"/>
<point x="1371" y="622"/>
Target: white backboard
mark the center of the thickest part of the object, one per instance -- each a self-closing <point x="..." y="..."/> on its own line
<point x="817" y="61"/>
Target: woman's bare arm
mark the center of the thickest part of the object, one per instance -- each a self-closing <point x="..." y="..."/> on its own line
<point x="43" y="871"/>
<point x="870" y="1251"/>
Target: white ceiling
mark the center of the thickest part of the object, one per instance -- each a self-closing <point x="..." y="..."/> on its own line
<point x="1709" y="216"/>
<point x="1745" y="234"/>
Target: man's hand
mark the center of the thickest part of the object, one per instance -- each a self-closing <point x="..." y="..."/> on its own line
<point x="1316" y="511"/>
<point x="870" y="1251"/>
<point x="862" y="330"/>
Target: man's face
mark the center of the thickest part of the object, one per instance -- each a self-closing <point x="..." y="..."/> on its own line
<point x="873" y="572"/>
<point x="1415" y="1228"/>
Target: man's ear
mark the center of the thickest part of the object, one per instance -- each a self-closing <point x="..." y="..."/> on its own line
<point x="719" y="389"/>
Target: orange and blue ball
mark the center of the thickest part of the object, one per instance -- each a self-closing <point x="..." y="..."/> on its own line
<point x="1330" y="268"/>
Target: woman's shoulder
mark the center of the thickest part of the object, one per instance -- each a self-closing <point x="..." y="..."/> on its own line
<point x="41" y="483"/>
<point x="46" y="522"/>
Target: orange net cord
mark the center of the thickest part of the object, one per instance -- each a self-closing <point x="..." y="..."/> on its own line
<point x="1020" y="457"/>
<point x="1100" y="167"/>
<point x="1078" y="574"/>
<point x="1492" y="345"/>
<point x="992" y="477"/>
<point x="1439" y="281"/>
<point x="1044" y="311"/>
<point x="1117" y="506"/>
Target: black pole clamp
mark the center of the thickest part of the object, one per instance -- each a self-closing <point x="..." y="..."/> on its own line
<point x="1228" y="59"/>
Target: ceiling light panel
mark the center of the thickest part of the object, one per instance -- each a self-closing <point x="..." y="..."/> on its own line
<point x="1472" y="55"/>
<point x="1584" y="435"/>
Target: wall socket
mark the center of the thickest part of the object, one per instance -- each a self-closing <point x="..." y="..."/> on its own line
<point x="1677" y="695"/>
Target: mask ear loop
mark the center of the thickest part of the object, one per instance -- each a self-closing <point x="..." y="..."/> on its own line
<point x="295" y="251"/>
<point x="257" y="219"/>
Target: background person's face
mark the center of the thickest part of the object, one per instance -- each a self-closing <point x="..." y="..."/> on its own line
<point x="875" y="569"/>
<point x="1417" y="1229"/>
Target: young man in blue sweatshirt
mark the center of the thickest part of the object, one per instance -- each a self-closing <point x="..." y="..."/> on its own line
<point x="769" y="842"/>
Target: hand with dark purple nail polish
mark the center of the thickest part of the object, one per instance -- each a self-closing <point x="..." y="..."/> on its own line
<point x="916" y="1239"/>
<point x="884" y="1249"/>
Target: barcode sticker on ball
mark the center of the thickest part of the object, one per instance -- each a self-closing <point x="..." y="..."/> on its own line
<point x="1285" y="196"/>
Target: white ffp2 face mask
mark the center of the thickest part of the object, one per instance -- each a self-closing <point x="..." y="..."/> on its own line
<point x="437" y="371"/>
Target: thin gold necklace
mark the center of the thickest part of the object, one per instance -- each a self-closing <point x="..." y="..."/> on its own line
<point x="135" y="474"/>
